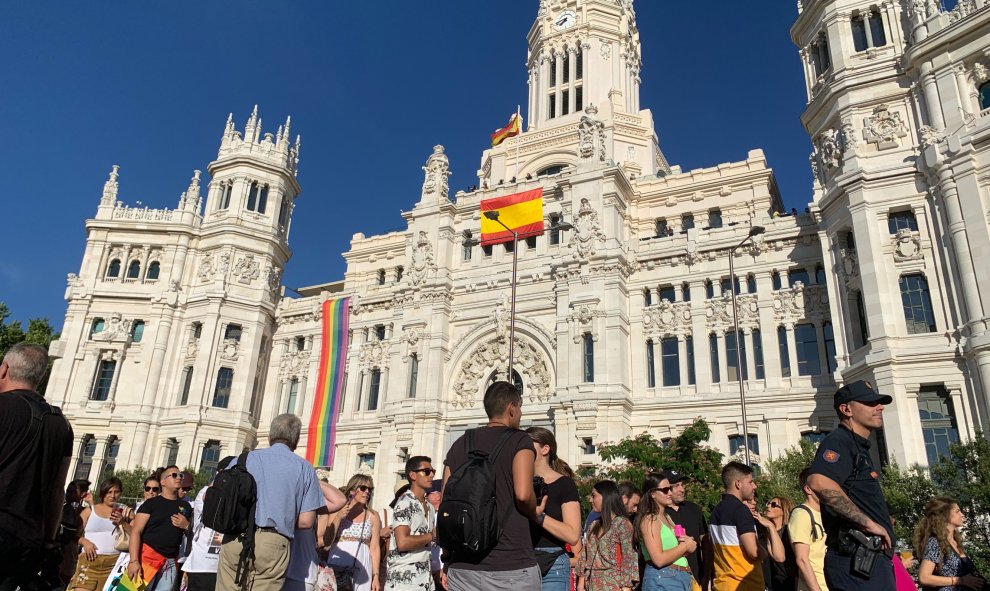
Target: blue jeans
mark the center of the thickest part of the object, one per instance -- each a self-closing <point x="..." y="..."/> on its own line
<point x="665" y="579"/>
<point x="558" y="578"/>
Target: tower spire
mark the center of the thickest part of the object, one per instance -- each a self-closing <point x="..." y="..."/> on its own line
<point x="110" y="187"/>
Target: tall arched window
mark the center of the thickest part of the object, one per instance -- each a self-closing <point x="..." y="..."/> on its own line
<point x="290" y="404"/>
<point x="153" y="271"/>
<point x="252" y="202"/>
<point x="134" y="270"/>
<point x="413" y="375"/>
<point x="113" y="269"/>
<point x="588" y="355"/>
<point x="651" y="372"/>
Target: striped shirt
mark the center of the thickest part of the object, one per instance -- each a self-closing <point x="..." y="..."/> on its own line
<point x="730" y="520"/>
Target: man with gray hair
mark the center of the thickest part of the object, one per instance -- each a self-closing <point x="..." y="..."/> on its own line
<point x="35" y="450"/>
<point x="288" y="496"/>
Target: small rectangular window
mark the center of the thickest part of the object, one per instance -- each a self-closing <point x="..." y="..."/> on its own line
<point x="553" y="72"/>
<point x="552" y="108"/>
<point x="876" y="29"/>
<point x="733" y="360"/>
<point x="290" y="403"/>
<point x="221" y="393"/>
<point x="795" y="275"/>
<point x="785" y="358"/>
<point x="689" y="347"/>
<point x="252" y="202"/>
<point x="916" y="299"/>
<point x="580" y="63"/>
<point x="413" y="374"/>
<point x="651" y="374"/>
<point x="589" y="358"/>
<point x="578" y="99"/>
<point x="466" y="251"/>
<point x="806" y="342"/>
<point x="366" y="460"/>
<point x="186" y="381"/>
<point x="233" y="331"/>
<point x="104" y="378"/>
<point x="588" y="446"/>
<point x="263" y="199"/>
<point x="565" y="104"/>
<point x="758" y="354"/>
<point x="713" y="357"/>
<point x="487" y="249"/>
<point x="938" y="423"/>
<point x="671" y="362"/>
<point x="210" y="458"/>
<point x="380" y="332"/>
<point x="531" y="243"/>
<point x="859" y="34"/>
<point x="376" y="384"/>
<point x="902" y="220"/>
<point x="715" y="218"/>
<point x="567" y="67"/>
<point x="667" y="293"/>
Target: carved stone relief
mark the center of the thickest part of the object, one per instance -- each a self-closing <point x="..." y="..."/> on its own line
<point x="718" y="313"/>
<point x="848" y="266"/>
<point x="667" y="319"/>
<point x="374" y="354"/>
<point x="749" y="311"/>
<point x="582" y="318"/>
<point x="230" y="349"/>
<point x="115" y="329"/>
<point x="247" y="269"/>
<point x="411" y="338"/>
<point x="500" y="315"/>
<point x="588" y="235"/>
<point x="591" y="135"/>
<point x="422" y="260"/>
<point x="884" y="128"/>
<point x="294" y="364"/>
<point x="492" y="356"/>
<point x="907" y="245"/>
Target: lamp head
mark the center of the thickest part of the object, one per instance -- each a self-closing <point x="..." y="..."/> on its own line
<point x="491" y="214"/>
<point x="756" y="231"/>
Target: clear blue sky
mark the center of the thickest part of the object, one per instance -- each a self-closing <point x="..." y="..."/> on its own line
<point x="371" y="86"/>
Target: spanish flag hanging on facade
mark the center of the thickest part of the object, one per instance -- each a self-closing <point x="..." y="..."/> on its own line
<point x="510" y="130"/>
<point x="523" y="212"/>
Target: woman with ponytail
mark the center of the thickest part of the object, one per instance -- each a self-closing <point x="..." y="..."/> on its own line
<point x="561" y="520"/>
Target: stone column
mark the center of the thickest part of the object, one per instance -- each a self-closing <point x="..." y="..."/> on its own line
<point x="866" y="25"/>
<point x="682" y="360"/>
<point x="962" y="87"/>
<point x="723" y="367"/>
<point x="820" y="337"/>
<point x="750" y="359"/>
<point x="145" y="253"/>
<point x="101" y="272"/>
<point x="558" y="94"/>
<point x="791" y="350"/>
<point x="572" y="66"/>
<point x="930" y="93"/>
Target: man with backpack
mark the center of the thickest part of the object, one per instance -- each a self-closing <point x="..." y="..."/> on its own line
<point x="287" y="496"/>
<point x="808" y="539"/>
<point x="489" y="501"/>
<point x="35" y="450"/>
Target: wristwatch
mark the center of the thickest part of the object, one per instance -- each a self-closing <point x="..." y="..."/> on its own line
<point x="540" y="518"/>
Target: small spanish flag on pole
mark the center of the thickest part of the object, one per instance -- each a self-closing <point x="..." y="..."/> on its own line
<point x="522" y="212"/>
<point x="510" y="130"/>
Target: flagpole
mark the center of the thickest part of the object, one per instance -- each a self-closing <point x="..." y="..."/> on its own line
<point x="519" y="123"/>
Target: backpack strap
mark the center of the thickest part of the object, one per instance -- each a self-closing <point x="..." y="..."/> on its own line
<point x="38" y="414"/>
<point x="247" y="547"/>
<point x="503" y="438"/>
<point x="468" y="442"/>
<point x="815" y="526"/>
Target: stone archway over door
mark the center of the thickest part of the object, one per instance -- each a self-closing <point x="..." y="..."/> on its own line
<point x="493" y="355"/>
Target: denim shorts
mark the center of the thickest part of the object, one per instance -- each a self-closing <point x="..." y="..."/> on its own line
<point x="558" y="578"/>
<point x="665" y="579"/>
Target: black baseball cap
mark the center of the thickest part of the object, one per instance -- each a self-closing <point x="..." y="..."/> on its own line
<point x="859" y="391"/>
<point x="674" y="477"/>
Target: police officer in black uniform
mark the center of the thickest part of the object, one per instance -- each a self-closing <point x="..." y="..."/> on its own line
<point x="858" y="528"/>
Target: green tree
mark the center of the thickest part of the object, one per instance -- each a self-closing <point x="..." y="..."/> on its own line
<point x="632" y="458"/>
<point x="133" y="481"/>
<point x="780" y="475"/>
<point x="39" y="332"/>
<point x="965" y="476"/>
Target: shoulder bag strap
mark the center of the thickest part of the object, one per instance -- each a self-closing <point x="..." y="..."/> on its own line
<point x="502" y="439"/>
<point x="815" y="526"/>
<point x="468" y="443"/>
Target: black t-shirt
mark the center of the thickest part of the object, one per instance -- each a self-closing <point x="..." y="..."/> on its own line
<point x="159" y="533"/>
<point x="563" y="490"/>
<point x="29" y="463"/>
<point x="844" y="457"/>
<point x="514" y="549"/>
<point x="692" y="518"/>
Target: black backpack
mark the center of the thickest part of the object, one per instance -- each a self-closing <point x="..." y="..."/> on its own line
<point x="468" y="526"/>
<point x="229" y="508"/>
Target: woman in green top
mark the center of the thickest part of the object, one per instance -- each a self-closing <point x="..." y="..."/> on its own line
<point x="666" y="566"/>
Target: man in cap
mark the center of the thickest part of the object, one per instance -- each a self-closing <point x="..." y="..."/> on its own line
<point x="690" y="516"/>
<point x="854" y="512"/>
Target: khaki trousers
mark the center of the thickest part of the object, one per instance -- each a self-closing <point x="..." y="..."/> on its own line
<point x="265" y="573"/>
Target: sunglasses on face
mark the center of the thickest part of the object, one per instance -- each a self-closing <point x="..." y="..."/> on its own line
<point x="773" y="505"/>
<point x="365" y="488"/>
<point x="172" y="475"/>
<point x="664" y="490"/>
<point x="186" y="488"/>
<point x="152" y="489"/>
<point x="427" y="471"/>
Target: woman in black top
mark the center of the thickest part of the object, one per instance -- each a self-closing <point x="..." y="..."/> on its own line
<point x="781" y="576"/>
<point x="560" y="523"/>
<point x="157" y="533"/>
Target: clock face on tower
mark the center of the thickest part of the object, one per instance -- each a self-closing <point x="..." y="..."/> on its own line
<point x="565" y="20"/>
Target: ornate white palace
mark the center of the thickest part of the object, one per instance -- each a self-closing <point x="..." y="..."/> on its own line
<point x="180" y="346"/>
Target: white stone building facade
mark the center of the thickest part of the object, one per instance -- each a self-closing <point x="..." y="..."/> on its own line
<point x="624" y="322"/>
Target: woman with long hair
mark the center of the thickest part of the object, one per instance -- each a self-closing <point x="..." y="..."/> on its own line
<point x="665" y="552"/>
<point x="781" y="576"/>
<point x="937" y="539"/>
<point x="354" y="538"/>
<point x="609" y="561"/>
<point x="561" y="519"/>
<point x="102" y="522"/>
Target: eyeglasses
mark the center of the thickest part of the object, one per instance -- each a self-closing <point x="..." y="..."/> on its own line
<point x="773" y="505"/>
<point x="427" y="471"/>
<point x="663" y="490"/>
<point x="366" y="488"/>
<point x="172" y="475"/>
<point x="152" y="489"/>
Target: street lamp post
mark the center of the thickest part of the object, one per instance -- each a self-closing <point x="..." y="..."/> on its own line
<point x="754" y="231"/>
<point x="493" y="216"/>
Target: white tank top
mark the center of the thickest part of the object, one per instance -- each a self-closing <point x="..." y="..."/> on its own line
<point x="101" y="532"/>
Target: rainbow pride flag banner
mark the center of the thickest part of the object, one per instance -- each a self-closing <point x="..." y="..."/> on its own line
<point x="329" y="385"/>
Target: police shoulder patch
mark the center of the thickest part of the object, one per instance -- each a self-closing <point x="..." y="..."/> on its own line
<point x="830" y="456"/>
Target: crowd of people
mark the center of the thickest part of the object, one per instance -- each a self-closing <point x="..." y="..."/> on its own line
<point x="520" y="527"/>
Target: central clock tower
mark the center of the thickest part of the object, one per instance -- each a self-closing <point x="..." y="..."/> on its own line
<point x="583" y="52"/>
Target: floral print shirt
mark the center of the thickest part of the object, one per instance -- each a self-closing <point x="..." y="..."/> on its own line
<point x="609" y="562"/>
<point x="410" y="571"/>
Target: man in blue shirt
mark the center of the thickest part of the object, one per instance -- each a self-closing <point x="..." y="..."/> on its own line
<point x="288" y="496"/>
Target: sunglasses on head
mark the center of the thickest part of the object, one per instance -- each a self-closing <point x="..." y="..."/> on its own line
<point x="427" y="471"/>
<point x="152" y="489"/>
<point x="663" y="489"/>
<point x="365" y="488"/>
